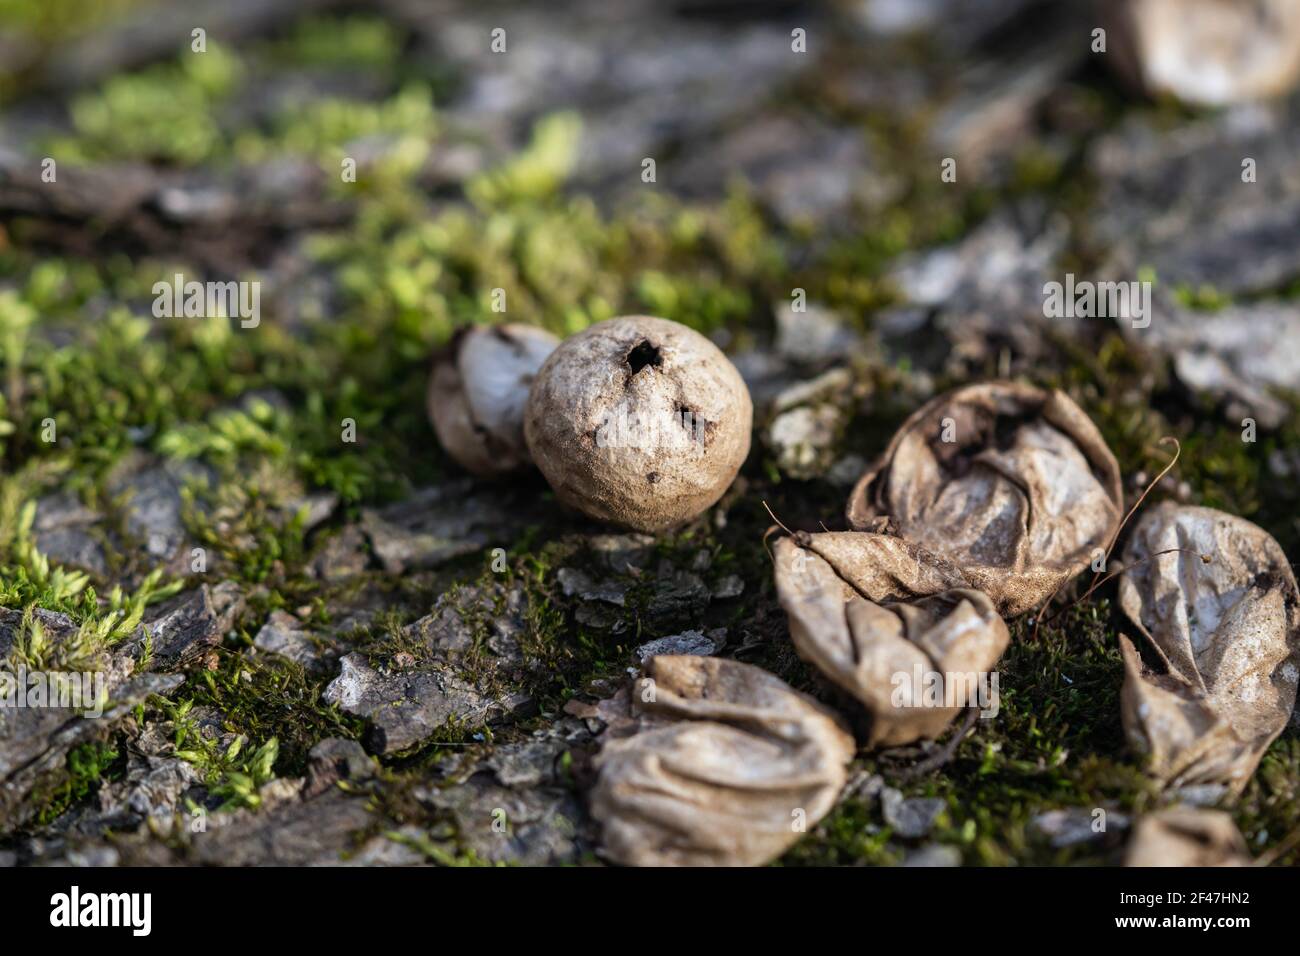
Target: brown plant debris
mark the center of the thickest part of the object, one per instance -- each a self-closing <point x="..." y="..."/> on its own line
<point x="719" y="763"/>
<point x="1227" y="637"/>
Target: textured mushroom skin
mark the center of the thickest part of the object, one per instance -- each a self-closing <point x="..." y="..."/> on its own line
<point x="1017" y="504"/>
<point x="716" y="768"/>
<point x="1227" y="638"/>
<point x="863" y="645"/>
<point x="477" y="392"/>
<point x="1208" y="52"/>
<point x="639" y="422"/>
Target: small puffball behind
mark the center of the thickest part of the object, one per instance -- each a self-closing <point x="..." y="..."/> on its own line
<point x="477" y="394"/>
<point x="1208" y="52"/>
<point x="640" y="422"/>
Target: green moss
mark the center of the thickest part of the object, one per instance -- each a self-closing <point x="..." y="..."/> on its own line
<point x="88" y="766"/>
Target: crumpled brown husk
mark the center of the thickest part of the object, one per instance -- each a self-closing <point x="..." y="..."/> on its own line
<point x="1016" y="505"/>
<point x="1186" y="836"/>
<point x="1227" y="635"/>
<point x="861" y="644"/>
<point x="715" y="769"/>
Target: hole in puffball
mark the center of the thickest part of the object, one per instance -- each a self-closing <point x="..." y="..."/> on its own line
<point x="643" y="354"/>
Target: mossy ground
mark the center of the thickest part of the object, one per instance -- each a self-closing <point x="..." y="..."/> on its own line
<point x="78" y="348"/>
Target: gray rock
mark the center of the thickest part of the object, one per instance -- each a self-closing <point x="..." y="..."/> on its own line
<point x="283" y="634"/>
<point x="397" y="847"/>
<point x="537" y="826"/>
<point x="934" y="854"/>
<point x="999" y="99"/>
<point x="525" y="766"/>
<point x="807" y="172"/>
<point x="316" y="508"/>
<point x="151" y="792"/>
<point x="641" y="79"/>
<point x="438" y="524"/>
<point x="344" y="556"/>
<point x="575" y="583"/>
<point x="1172" y="198"/>
<point x="406" y="708"/>
<point x="687" y="642"/>
<point x="153" y="504"/>
<point x="460" y="617"/>
<point x="1232" y="354"/>
<point x="816" y="335"/>
<point x="979" y="294"/>
<point x="731" y="586"/>
<point x="1075" y="825"/>
<point x="334" y="759"/>
<point x="34" y="742"/>
<point x="678" y="593"/>
<point x="623" y="553"/>
<point x="68" y="532"/>
<point x="601" y="617"/>
<point x="910" y="817"/>
<point x="318" y="832"/>
<point x="181" y="628"/>
<point x="809" y="419"/>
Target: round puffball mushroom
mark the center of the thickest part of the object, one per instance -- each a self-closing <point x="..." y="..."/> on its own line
<point x="639" y="422"/>
<point x="1208" y="52"/>
<point x="477" y="394"/>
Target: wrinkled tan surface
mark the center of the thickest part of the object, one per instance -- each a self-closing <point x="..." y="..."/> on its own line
<point x="477" y="392"/>
<point x="1016" y="504"/>
<point x="1227" y="635"/>
<point x="1185" y="836"/>
<point x="1209" y="52"/>
<point x="586" y="383"/>
<point x="861" y="644"/>
<point x="713" y="771"/>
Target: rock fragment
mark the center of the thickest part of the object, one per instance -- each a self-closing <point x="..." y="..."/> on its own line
<point x="405" y="708"/>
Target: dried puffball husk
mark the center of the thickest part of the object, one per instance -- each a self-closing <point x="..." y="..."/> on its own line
<point x="1010" y="485"/>
<point x="884" y="652"/>
<point x="1207" y="52"/>
<point x="477" y="392"/>
<point x="1227" y="637"/>
<point x="723" y="764"/>
<point x="1186" y="836"/>
<point x="640" y="422"/>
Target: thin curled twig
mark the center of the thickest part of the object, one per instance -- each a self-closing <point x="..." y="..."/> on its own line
<point x="1114" y="538"/>
<point x="946" y="753"/>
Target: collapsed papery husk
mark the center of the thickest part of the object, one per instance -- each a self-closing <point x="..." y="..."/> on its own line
<point x="723" y="764"/>
<point x="477" y="392"/>
<point x="1020" y="499"/>
<point x="1227" y="636"/>
<point x="876" y="648"/>
<point x="1186" y="836"/>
